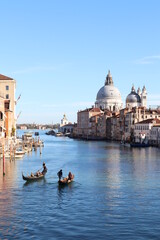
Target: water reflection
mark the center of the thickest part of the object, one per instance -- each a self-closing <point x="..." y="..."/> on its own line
<point x="115" y="194"/>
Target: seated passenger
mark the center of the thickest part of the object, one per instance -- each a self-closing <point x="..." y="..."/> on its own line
<point x="38" y="173"/>
<point x="70" y="176"/>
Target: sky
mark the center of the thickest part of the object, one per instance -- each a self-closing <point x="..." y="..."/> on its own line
<point x="59" y="52"/>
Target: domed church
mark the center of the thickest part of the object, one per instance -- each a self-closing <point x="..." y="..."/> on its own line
<point x="109" y="97"/>
<point x="137" y="99"/>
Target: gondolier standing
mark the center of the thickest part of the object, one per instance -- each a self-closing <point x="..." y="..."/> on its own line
<point x="60" y="173"/>
<point x="44" y="169"/>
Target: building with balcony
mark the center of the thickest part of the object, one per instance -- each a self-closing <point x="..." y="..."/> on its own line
<point x="7" y="93"/>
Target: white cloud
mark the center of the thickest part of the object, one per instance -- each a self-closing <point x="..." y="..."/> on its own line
<point x="42" y="68"/>
<point x="147" y="60"/>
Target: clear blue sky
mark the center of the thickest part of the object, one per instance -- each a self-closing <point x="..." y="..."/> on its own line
<point x="59" y="51"/>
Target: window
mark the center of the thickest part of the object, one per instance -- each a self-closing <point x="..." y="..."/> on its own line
<point x="7" y="96"/>
<point x="7" y="105"/>
<point x="7" y="87"/>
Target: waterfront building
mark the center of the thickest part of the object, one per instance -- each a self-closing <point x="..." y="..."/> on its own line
<point x="129" y="117"/>
<point x="109" y="97"/>
<point x="7" y="92"/>
<point x="137" y="99"/>
<point x="85" y="121"/>
<point x="64" y="120"/>
<point x="142" y="130"/>
<point x="2" y="118"/>
<point x="68" y="128"/>
<point x="155" y="135"/>
<point x="102" y="124"/>
<point x="23" y="127"/>
<point x="113" y="127"/>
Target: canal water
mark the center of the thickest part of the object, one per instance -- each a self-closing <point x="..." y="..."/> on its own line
<point x="115" y="195"/>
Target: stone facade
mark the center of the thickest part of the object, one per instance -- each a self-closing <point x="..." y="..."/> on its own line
<point x="87" y="122"/>
<point x="2" y="118"/>
<point x="142" y="130"/>
<point x="7" y="92"/>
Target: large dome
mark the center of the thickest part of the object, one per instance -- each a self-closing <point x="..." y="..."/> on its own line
<point x="109" y="97"/>
<point x="108" y="92"/>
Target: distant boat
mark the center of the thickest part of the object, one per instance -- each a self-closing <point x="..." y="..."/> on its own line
<point x="19" y="153"/>
<point x="51" y="132"/>
<point x="59" y="134"/>
<point x="139" y="145"/>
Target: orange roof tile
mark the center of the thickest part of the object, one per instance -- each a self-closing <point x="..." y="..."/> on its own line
<point x="2" y="77"/>
<point x="149" y="121"/>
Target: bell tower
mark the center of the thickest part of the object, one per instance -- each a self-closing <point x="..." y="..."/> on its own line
<point x="144" y="97"/>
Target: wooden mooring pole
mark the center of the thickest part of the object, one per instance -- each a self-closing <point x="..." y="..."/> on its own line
<point x="3" y="162"/>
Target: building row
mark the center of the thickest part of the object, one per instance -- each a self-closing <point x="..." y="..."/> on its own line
<point x="109" y="120"/>
<point x="7" y="107"/>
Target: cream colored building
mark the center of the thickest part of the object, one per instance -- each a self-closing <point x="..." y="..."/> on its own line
<point x="64" y="121"/>
<point x="2" y="118"/>
<point x="143" y="129"/>
<point x="7" y="92"/>
<point x="129" y="117"/>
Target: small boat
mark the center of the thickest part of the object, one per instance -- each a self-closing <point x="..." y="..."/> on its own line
<point x="59" y="134"/>
<point x="66" y="181"/>
<point x="32" y="178"/>
<point x="19" y="153"/>
<point x="139" y="145"/>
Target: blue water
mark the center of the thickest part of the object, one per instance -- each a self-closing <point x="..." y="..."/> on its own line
<point x="115" y="195"/>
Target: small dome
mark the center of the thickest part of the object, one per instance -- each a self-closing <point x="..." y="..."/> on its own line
<point x="133" y="97"/>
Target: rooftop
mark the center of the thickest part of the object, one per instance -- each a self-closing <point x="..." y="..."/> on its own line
<point x="155" y="120"/>
<point x="2" y="77"/>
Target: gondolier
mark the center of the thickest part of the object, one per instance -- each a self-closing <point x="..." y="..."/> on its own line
<point x="44" y="169"/>
<point x="60" y="174"/>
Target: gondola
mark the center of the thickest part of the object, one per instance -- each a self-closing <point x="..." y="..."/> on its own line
<point x="65" y="181"/>
<point x="32" y="178"/>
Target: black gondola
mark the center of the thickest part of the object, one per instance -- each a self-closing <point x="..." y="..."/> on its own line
<point x="33" y="178"/>
<point x="65" y="181"/>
